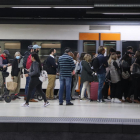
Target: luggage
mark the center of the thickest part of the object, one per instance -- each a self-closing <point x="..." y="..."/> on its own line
<point x="94" y="90"/>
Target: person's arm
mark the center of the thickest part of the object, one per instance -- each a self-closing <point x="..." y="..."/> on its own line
<point x="105" y="63"/>
<point x="116" y="65"/>
<point x="52" y="62"/>
<point x="1" y="63"/>
<point x="35" y="69"/>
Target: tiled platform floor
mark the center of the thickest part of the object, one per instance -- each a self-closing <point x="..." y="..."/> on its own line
<point x="80" y="109"/>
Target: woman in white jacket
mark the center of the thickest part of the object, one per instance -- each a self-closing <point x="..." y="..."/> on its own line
<point x="75" y="80"/>
<point x="114" y="68"/>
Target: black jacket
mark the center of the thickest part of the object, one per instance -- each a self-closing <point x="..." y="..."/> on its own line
<point x="86" y="74"/>
<point x="51" y="65"/>
<point x="15" y="70"/>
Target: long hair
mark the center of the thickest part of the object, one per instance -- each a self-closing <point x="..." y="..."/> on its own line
<point x="75" y="55"/>
<point x="112" y="57"/>
<point x="137" y="54"/>
<point x="36" y="57"/>
<point x="87" y="58"/>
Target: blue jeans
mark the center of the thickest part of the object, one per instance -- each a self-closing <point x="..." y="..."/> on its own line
<point x="27" y="86"/>
<point x="101" y="78"/>
<point x="65" y="81"/>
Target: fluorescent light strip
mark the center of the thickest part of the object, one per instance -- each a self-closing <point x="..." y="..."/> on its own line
<point x="31" y="7"/>
<point x="73" y="7"/>
<point x="121" y="13"/>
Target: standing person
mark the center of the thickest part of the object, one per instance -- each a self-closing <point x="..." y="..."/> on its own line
<point x="66" y="67"/>
<point x="75" y="80"/>
<point x="86" y="75"/>
<point x="114" y="67"/>
<point x="51" y="71"/>
<point x="35" y="82"/>
<point x="4" y="62"/>
<point x="101" y="72"/>
<point x="27" y="64"/>
<point x="126" y="62"/>
<point x="136" y="80"/>
<point x="27" y="57"/>
<point x="80" y="71"/>
<point x="73" y="75"/>
<point x="16" y="73"/>
<point x="106" y="85"/>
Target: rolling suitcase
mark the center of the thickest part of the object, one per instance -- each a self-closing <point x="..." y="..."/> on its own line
<point x="94" y="91"/>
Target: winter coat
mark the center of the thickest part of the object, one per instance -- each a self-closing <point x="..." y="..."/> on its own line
<point x="114" y="74"/>
<point x="15" y="69"/>
<point x="86" y="74"/>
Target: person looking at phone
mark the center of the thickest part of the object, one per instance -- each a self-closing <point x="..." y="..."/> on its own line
<point x="4" y="62"/>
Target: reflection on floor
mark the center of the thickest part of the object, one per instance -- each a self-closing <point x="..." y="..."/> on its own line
<point x="80" y="109"/>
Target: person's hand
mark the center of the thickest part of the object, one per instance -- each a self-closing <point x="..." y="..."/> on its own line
<point x="12" y="78"/>
<point x="4" y="66"/>
<point x="21" y="75"/>
<point x="9" y="65"/>
<point x="57" y="74"/>
<point x="26" y="75"/>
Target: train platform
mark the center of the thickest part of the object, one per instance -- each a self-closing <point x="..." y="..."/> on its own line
<point x="84" y="120"/>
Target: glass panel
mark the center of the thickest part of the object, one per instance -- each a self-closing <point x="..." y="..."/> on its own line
<point x="45" y="48"/>
<point x="108" y="45"/>
<point x="13" y="48"/>
<point x="90" y="47"/>
<point x="134" y="44"/>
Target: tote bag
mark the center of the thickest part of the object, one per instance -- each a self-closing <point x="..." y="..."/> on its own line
<point x="11" y="86"/>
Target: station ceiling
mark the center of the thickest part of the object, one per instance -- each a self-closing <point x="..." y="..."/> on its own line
<point x="70" y="12"/>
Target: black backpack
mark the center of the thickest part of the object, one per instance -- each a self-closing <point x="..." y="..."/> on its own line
<point x="96" y="64"/>
<point x="45" y="67"/>
<point x="26" y="55"/>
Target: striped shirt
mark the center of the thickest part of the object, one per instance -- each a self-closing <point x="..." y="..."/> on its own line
<point x="66" y="65"/>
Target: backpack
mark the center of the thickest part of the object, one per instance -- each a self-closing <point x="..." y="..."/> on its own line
<point x="26" y="55"/>
<point x="29" y="62"/>
<point x="45" y="67"/>
<point x="96" y="64"/>
<point x="43" y="76"/>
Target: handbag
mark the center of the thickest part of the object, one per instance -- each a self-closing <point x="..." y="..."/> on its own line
<point x="125" y="75"/>
<point x="11" y="85"/>
<point x="135" y="70"/>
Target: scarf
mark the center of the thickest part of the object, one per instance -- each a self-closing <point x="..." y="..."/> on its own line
<point x="3" y="57"/>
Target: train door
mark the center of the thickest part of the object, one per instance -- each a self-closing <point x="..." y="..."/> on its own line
<point x="111" y="40"/>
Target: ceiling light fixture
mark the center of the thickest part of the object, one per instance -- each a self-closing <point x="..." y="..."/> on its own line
<point x="121" y="13"/>
<point x="73" y="7"/>
<point x="31" y="7"/>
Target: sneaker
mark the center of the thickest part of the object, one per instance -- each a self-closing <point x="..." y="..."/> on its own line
<point x="82" y="99"/>
<point x="101" y="101"/>
<point x="116" y="100"/>
<point x="60" y="103"/>
<point x="33" y="100"/>
<point x="25" y="105"/>
<point x="107" y="100"/>
<point x="98" y="101"/>
<point x="69" y="103"/>
<point x="112" y="100"/>
<point x="46" y="104"/>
